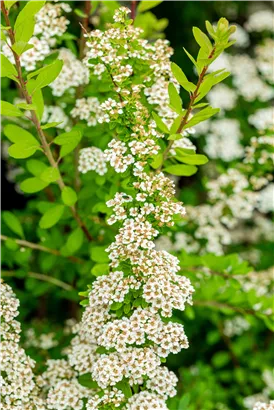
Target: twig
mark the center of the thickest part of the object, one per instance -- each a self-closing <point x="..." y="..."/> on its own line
<point x="36" y="121"/>
<point x="133" y="9"/>
<point x="45" y="278"/>
<point x="42" y="248"/>
<point x="212" y="303"/>
<point x="189" y="109"/>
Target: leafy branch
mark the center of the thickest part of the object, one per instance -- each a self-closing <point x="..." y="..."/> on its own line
<point x="27" y="96"/>
<point x="43" y="277"/>
<point x="41" y="248"/>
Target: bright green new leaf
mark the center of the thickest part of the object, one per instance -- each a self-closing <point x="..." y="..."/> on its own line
<point x="7" y="68"/>
<point x="17" y="134"/>
<point x="21" y="46"/>
<point x="174" y="97"/>
<point x="192" y="59"/>
<point x="25" y="22"/>
<point x="25" y="106"/>
<point x="50" y="174"/>
<point x="75" y="240"/>
<point x="23" y="149"/>
<point x="9" y="4"/>
<point x="80" y="13"/>
<point x="202" y="39"/>
<point x="157" y="161"/>
<point x="32" y="185"/>
<point x="100" y="269"/>
<point x="13" y="223"/>
<point x="68" y="141"/>
<point x="125" y="388"/>
<point x="174" y="137"/>
<point x="10" y="110"/>
<point x="181" y="170"/>
<point x="36" y="167"/>
<point x="160" y="124"/>
<point x="50" y="125"/>
<point x="51" y="217"/>
<point x="69" y="196"/>
<point x="86" y="381"/>
<point x="181" y="78"/>
<point x="147" y="5"/>
<point x="185" y="151"/>
<point x="99" y="254"/>
<point x="193" y="159"/>
<point x="48" y="75"/>
<point x="176" y="125"/>
<point x="201" y="116"/>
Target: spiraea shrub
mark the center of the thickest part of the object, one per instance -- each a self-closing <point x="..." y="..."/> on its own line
<point x="98" y="136"/>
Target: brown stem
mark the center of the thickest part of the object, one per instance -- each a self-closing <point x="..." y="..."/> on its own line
<point x="42" y="248"/>
<point x="189" y="108"/>
<point x="36" y="122"/>
<point x="133" y="9"/>
<point x="229" y="346"/>
<point x="45" y="278"/>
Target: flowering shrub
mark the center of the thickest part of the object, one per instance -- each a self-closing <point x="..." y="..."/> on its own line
<point x="101" y="135"/>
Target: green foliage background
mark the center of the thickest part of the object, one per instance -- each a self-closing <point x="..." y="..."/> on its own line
<point x="217" y="372"/>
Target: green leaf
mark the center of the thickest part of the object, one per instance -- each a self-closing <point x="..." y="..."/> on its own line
<point x="7" y="68"/>
<point x="10" y="110"/>
<point x="25" y="106"/>
<point x="220" y="359"/>
<point x="25" y="22"/>
<point x="174" y="137"/>
<point x="125" y="387"/>
<point x="32" y="185"/>
<point x="185" y="151"/>
<point x="9" y="4"/>
<point x="184" y="402"/>
<point x="13" y="223"/>
<point x="116" y="305"/>
<point x="181" y="78"/>
<point x="87" y="381"/>
<point x="50" y="125"/>
<point x="99" y="254"/>
<point x="80" y="13"/>
<point x="35" y="167"/>
<point x="147" y="5"/>
<point x="160" y="124"/>
<point x="201" y="116"/>
<point x="37" y="98"/>
<point x="202" y="39"/>
<point x="51" y="217"/>
<point x="68" y="141"/>
<point x="157" y="161"/>
<point x="21" y="46"/>
<point x="181" y="170"/>
<point x="209" y="81"/>
<point x="75" y="240"/>
<point x="23" y="149"/>
<point x="50" y="174"/>
<point x="175" y="125"/>
<point x="48" y="75"/>
<point x="193" y="159"/>
<point x="100" y="269"/>
<point x="17" y="134"/>
<point x="69" y="196"/>
<point x="175" y="99"/>
<point x="192" y="59"/>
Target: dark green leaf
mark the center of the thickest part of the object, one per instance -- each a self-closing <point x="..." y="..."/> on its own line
<point x="13" y="223"/>
<point x="51" y="217"/>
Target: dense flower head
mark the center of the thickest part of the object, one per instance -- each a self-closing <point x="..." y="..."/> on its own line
<point x="92" y="159"/>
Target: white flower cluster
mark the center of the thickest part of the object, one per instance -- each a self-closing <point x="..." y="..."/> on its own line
<point x="222" y="97"/>
<point x="263" y="119"/>
<point x="54" y="113"/>
<point x="218" y="134"/>
<point x="235" y="326"/>
<point x="87" y="109"/>
<point x="44" y="341"/>
<point x="49" y="24"/>
<point x="264" y="59"/>
<point x="18" y="388"/>
<point x="92" y="159"/>
<point x="73" y="74"/>
<point x="126" y="308"/>
<point x="264" y="406"/>
<point x="260" y="20"/>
